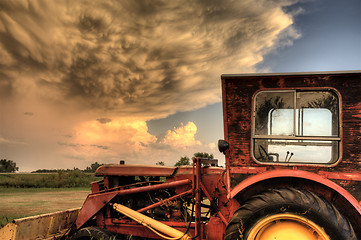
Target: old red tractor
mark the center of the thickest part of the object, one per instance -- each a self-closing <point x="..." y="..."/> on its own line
<point x="292" y="171"/>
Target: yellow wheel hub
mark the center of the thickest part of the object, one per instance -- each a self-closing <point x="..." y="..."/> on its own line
<point x="287" y="227"/>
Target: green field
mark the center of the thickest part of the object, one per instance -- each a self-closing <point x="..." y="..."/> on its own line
<point x="47" y="180"/>
<point x="28" y="194"/>
<point x="18" y="203"/>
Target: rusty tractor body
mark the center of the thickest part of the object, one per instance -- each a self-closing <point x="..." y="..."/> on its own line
<point x="292" y="171"/>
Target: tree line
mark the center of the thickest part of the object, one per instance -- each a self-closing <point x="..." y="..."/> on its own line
<point x="89" y="169"/>
<point x="183" y="161"/>
<point x="9" y="166"/>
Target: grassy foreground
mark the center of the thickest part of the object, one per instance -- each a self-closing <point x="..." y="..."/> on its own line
<point x="28" y="194"/>
<point x="24" y="202"/>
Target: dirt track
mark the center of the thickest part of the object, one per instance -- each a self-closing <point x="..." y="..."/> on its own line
<point x="32" y="203"/>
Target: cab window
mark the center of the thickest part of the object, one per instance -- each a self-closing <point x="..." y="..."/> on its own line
<point x="296" y="126"/>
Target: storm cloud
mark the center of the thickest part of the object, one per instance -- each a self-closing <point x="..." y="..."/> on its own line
<point x="149" y="58"/>
<point x="98" y="70"/>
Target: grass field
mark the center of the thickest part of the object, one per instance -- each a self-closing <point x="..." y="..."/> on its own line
<point x="17" y="202"/>
<point x="28" y="194"/>
<point x="47" y="180"/>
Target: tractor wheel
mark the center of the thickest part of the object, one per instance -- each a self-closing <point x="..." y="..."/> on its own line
<point x="91" y="233"/>
<point x="286" y="214"/>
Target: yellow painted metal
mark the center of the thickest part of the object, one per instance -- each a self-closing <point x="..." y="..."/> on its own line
<point x="287" y="227"/>
<point x="44" y="226"/>
<point x="151" y="223"/>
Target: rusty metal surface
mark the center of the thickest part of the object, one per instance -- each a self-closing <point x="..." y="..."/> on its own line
<point x="209" y="182"/>
<point x="210" y="198"/>
<point x="39" y="227"/>
<point x="189" y="192"/>
<point x="238" y="93"/>
<point x="283" y="173"/>
<point x="157" y="227"/>
<point x="92" y="205"/>
<point x="214" y="229"/>
<point x="134" y="170"/>
<point x="283" y="178"/>
<point x="96" y="201"/>
<point x="130" y="227"/>
<point x="338" y="183"/>
<point x="198" y="197"/>
<point x="150" y="170"/>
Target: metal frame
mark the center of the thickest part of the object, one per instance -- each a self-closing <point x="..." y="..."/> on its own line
<point x="96" y="201"/>
<point x="288" y="74"/>
<point x="295" y="137"/>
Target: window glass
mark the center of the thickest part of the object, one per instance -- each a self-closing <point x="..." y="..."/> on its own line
<point x="295" y="151"/>
<point x="266" y="106"/>
<point x="280" y="122"/>
<point x="314" y="122"/>
<point x="296" y="127"/>
<point x="318" y="113"/>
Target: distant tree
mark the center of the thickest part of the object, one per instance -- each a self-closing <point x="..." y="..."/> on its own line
<point x="46" y="171"/>
<point x="93" y="167"/>
<point x="160" y="163"/>
<point x="203" y="155"/>
<point x="8" y="166"/>
<point x="56" y="170"/>
<point x="183" y="161"/>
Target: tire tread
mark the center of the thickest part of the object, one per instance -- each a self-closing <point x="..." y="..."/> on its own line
<point x="289" y="196"/>
<point x="94" y="233"/>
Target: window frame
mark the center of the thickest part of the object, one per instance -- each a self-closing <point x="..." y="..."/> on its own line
<point x="294" y="137"/>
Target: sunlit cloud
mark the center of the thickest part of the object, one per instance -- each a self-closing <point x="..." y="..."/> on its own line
<point x="182" y="136"/>
<point x="130" y="134"/>
<point x="98" y="70"/>
<point x="212" y="146"/>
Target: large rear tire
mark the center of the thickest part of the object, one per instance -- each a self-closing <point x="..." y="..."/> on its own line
<point x="91" y="233"/>
<point x="287" y="214"/>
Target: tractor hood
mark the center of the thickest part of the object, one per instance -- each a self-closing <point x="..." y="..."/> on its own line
<point x="134" y="170"/>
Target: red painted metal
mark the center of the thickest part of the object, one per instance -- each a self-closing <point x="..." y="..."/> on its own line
<point x="96" y="201"/>
<point x="91" y="206"/>
<point x="214" y="229"/>
<point x="198" y="192"/>
<point x="351" y="176"/>
<point x="340" y="126"/>
<point x="244" y="176"/>
<point x="238" y="92"/>
<point x="94" y="186"/>
<point x="296" y="174"/>
<point x="130" y="227"/>
<point x="189" y="192"/>
<point x="146" y="188"/>
<point x="334" y="193"/>
<point x="205" y="191"/>
<point x="134" y="170"/>
<point x="248" y="170"/>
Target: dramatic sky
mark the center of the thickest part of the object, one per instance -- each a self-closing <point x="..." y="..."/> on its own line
<point x="84" y="81"/>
